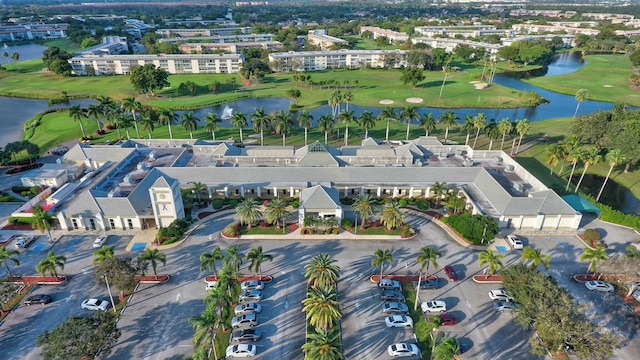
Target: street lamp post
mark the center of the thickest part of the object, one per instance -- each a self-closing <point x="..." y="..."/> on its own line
<point x="110" y="294"/>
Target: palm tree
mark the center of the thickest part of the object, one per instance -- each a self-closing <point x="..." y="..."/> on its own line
<point x="167" y="117"/>
<point x="77" y="113"/>
<point x="43" y="220"/>
<point x="614" y="157"/>
<point x="446" y="69"/>
<point x="305" y="120"/>
<point x="51" y="264"/>
<point x="189" y="123"/>
<point x="153" y="256"/>
<point x="468" y="127"/>
<point x="439" y="189"/>
<point x="325" y="123"/>
<point x="492" y="260"/>
<point x="248" y="212"/>
<point x="346" y="117"/>
<point x="256" y="256"/>
<point x="95" y="110"/>
<point x="392" y="215"/>
<point x="504" y="127"/>
<point x="147" y="124"/>
<point x="9" y="255"/>
<point x="347" y="97"/>
<point x="208" y="260"/>
<point x="568" y="146"/>
<point x="428" y="123"/>
<point x="536" y="257"/>
<point x="123" y="120"/>
<point x="380" y="257"/>
<point x="130" y="104"/>
<point x="576" y="154"/>
<point x="104" y="253"/>
<point x="321" y="271"/>
<point x="365" y="207"/>
<point x="593" y="256"/>
<point x="448" y="119"/>
<point x="492" y="132"/>
<point x="581" y="95"/>
<point x="409" y="114"/>
<point x="388" y="114"/>
<point x="323" y="345"/>
<point x="479" y="123"/>
<point x="591" y="156"/>
<point x="555" y="154"/>
<point x="322" y="307"/>
<point x="334" y="101"/>
<point x="426" y="256"/>
<point x="448" y="349"/>
<point x="282" y="124"/>
<point x="522" y="128"/>
<point x="260" y="120"/>
<point x="212" y="123"/>
<point x="367" y="121"/>
<point x="276" y="210"/>
<point x="205" y="326"/>
<point x="239" y="121"/>
<point x="198" y="189"/>
<point x="234" y="257"/>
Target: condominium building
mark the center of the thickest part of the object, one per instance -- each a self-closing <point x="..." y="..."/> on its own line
<point x="111" y="45"/>
<point x="338" y="59"/>
<point x="234" y="48"/>
<point x="392" y="36"/>
<point x="449" y="45"/>
<point x="220" y="39"/>
<point x="32" y="31"/>
<point x="467" y="31"/>
<point x="204" y="32"/>
<point x="567" y="40"/>
<point x="320" y="38"/>
<point x="541" y="29"/>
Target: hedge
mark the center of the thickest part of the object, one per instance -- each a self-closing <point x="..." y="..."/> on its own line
<point x="607" y="213"/>
<point x="472" y="227"/>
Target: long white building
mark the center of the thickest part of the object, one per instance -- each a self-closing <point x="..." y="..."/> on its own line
<point x="339" y="59"/>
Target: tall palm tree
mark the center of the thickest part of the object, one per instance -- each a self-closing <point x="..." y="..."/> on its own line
<point x="391" y="215"/>
<point x="94" y="111"/>
<point x="536" y="257"/>
<point x="167" y="117"/>
<point x="256" y="256"/>
<point x="9" y="255"/>
<point x="381" y="257"/>
<point x="334" y="102"/>
<point x="347" y="97"/>
<point x="581" y="95"/>
<point x="576" y="154"/>
<point x="275" y="211"/>
<point x="593" y="256"/>
<point x="346" y="117"/>
<point x="492" y="260"/>
<point x="590" y="156"/>
<point x="322" y="307"/>
<point x="614" y="157"/>
<point x="104" y="253"/>
<point x="43" y="221"/>
<point x="504" y="127"/>
<point x="282" y="124"/>
<point x="364" y="206"/>
<point x="570" y="143"/>
<point x="428" y="123"/>
<point x="522" y="128"/>
<point x="77" y="113"/>
<point x="234" y="257"/>
<point x="468" y="126"/>
<point x="248" y="212"/>
<point x="189" y="123"/>
<point x="448" y="119"/>
<point x="198" y="189"/>
<point x="492" y="132"/>
<point x="239" y="121"/>
<point x="439" y="189"/>
<point x="305" y="120"/>
<point x="321" y="271"/>
<point x="367" y="121"/>
<point x="446" y="69"/>
<point x="123" y="120"/>
<point x="205" y="326"/>
<point x="325" y="123"/>
<point x="51" y="264"/>
<point x="147" y="123"/>
<point x="447" y="349"/>
<point x="323" y="345"/>
<point x="479" y="123"/>
<point x="208" y="260"/>
<point x="212" y="123"/>
<point x="388" y="114"/>
<point x="409" y="114"/>
<point x="153" y="257"/>
<point x="260" y="121"/>
<point x="130" y="104"/>
<point x="426" y="256"/>
<point x="554" y="152"/>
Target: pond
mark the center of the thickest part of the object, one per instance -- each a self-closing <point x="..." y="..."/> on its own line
<point x="25" y="51"/>
<point x="614" y="195"/>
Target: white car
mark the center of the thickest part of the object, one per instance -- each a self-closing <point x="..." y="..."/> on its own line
<point x="250" y="296"/>
<point x="244" y="321"/>
<point x="24" y="242"/>
<point x="387" y="284"/>
<point x="636" y="295"/>
<point x="398" y="321"/>
<point x="249" y="308"/>
<point x="499" y="295"/>
<point x="514" y="241"/>
<point x="252" y="285"/>
<point x="241" y="351"/>
<point x="395" y="307"/>
<point x="435" y="306"/>
<point x="599" y="286"/>
<point x="403" y="350"/>
<point x="95" y="304"/>
<point x="99" y="241"/>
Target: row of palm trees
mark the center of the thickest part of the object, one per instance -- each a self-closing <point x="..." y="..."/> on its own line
<point x="152" y="257"/>
<point x="49" y="265"/>
<point x="276" y="211"/>
<point x="573" y="151"/>
<point x="391" y="214"/>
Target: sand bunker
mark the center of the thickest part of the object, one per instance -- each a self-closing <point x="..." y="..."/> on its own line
<point x="474" y="82"/>
<point x="386" y="102"/>
<point x="607" y="86"/>
<point x="414" y="100"/>
<point x="480" y="86"/>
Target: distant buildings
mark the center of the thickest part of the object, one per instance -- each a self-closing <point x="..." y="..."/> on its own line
<point x="220" y="39"/>
<point x="449" y="45"/>
<point x="542" y="29"/>
<point x="111" y="45"/>
<point x="393" y="36"/>
<point x="320" y="39"/>
<point x="466" y="31"/>
<point x="234" y="48"/>
<point x="32" y="31"/>
<point x="234" y="30"/>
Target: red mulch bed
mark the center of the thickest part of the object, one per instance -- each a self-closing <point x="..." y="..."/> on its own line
<point x="401" y="278"/>
<point x="18" y="227"/>
<point x="151" y="279"/>
<point x="42" y="280"/>
<point x="265" y="278"/>
<point x="487" y="279"/>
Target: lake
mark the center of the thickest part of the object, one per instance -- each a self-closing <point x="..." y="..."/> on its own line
<point x="26" y="51"/>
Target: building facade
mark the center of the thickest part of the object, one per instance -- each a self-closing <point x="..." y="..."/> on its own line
<point x="338" y="59"/>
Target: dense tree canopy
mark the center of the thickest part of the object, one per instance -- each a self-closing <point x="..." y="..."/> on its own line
<point x="147" y="79"/>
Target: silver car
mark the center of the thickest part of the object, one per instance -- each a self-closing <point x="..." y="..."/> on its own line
<point x="249" y="308"/>
<point x="503" y="306"/>
<point x="250" y="296"/>
<point x="391" y="295"/>
<point x="244" y="321"/>
<point x="395" y="308"/>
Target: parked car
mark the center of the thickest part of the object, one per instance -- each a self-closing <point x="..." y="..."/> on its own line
<point x="391" y="295"/>
<point x="427" y="284"/>
<point x="499" y="295"/>
<point x="247" y="335"/>
<point x="597" y="285"/>
<point x="398" y="321"/>
<point x="37" y="299"/>
<point x="241" y="351"/>
<point x="451" y="273"/>
<point x="514" y="241"/>
<point x="503" y="306"/>
<point x="249" y="308"/>
<point x="95" y="304"/>
<point x="387" y="284"/>
<point x="99" y="241"/>
<point x="23" y="242"/>
<point x="252" y="285"/>
<point x="434" y="306"/>
<point x="250" y="296"/>
<point x="636" y="295"/>
<point x="395" y="307"/>
<point x="403" y="350"/>
<point x="244" y="321"/>
<point x="444" y="319"/>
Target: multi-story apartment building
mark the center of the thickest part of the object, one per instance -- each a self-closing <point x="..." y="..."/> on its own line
<point x="541" y="29"/>
<point x="470" y="31"/>
<point x="221" y="39"/>
<point x="449" y="45"/>
<point x="344" y="59"/>
<point x="320" y="38"/>
<point x="393" y="36"/>
<point x="111" y="45"/>
<point x="32" y="31"/>
<point x="234" y="48"/>
<point x="204" y="32"/>
<point x="567" y="40"/>
<point x="174" y="64"/>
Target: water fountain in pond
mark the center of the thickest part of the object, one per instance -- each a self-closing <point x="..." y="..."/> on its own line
<point x="227" y="113"/>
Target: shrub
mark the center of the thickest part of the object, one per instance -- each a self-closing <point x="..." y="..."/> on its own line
<point x="217" y="204"/>
<point x="347" y="223"/>
<point x="407" y="231"/>
<point x="306" y="231"/>
<point x="402" y="202"/>
<point x="335" y="231"/>
<point x="472" y="227"/>
<point x="295" y="204"/>
<point x="591" y="235"/>
<point x="230" y="231"/>
<point x="173" y="232"/>
<point x="233" y="202"/>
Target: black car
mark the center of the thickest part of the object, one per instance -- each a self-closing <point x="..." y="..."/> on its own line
<point x="245" y="336"/>
<point x="38" y="299"/>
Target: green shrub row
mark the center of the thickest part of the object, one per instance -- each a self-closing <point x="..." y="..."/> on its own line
<point x="173" y="232"/>
<point x="473" y="228"/>
<point x="609" y="214"/>
<point x="21" y="220"/>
